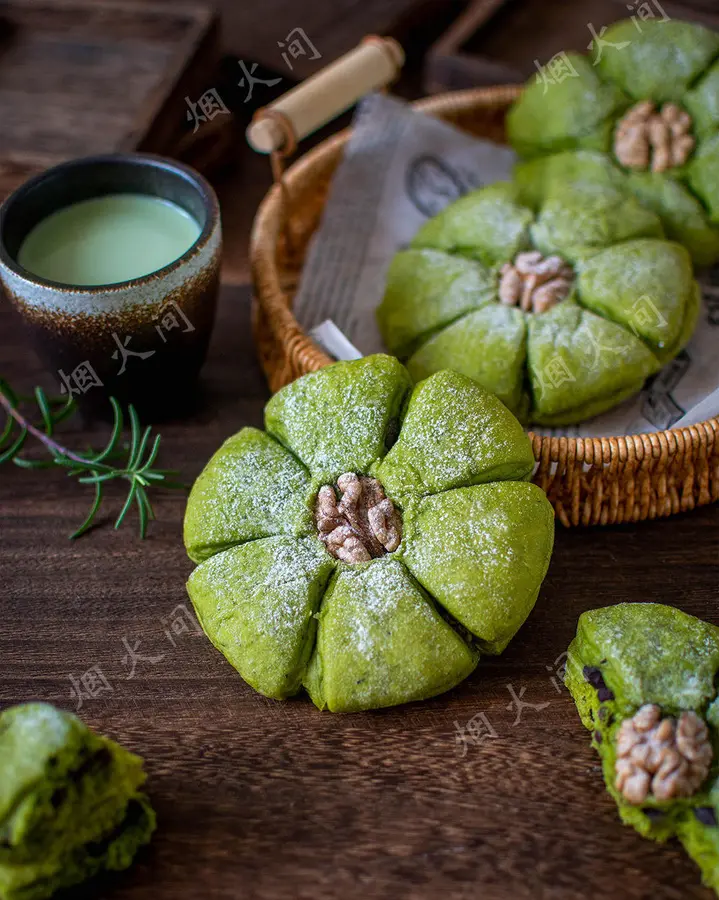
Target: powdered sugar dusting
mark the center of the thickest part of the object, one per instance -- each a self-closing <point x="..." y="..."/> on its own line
<point x="257" y="604"/>
<point x="382" y="641"/>
<point x="483" y="552"/>
<point x="380" y="591"/>
<point x="655" y="654"/>
<point x="267" y="583"/>
<point x="454" y="434"/>
<point x="251" y="488"/>
<point x="336" y="420"/>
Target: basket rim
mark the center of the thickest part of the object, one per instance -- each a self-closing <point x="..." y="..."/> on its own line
<point x="263" y="243"/>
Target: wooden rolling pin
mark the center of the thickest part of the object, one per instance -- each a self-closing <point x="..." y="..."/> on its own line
<point x="370" y="66"/>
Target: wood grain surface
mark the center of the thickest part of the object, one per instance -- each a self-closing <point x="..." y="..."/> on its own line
<point x="79" y="77"/>
<point x="259" y="799"/>
<point x="267" y="800"/>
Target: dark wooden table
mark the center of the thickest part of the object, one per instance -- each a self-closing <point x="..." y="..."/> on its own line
<point x="260" y="799"/>
<point x="266" y="800"/>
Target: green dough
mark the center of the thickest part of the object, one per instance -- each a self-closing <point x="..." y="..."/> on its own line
<point x="683" y="217"/>
<point x="633" y="654"/>
<point x="539" y="178"/>
<point x="701" y="840"/>
<point x="658" y="62"/>
<point x="702" y="102"/>
<point x="577" y="223"/>
<point x="489" y="346"/>
<point x="359" y="634"/>
<point x="455" y="434"/>
<point x="338" y="419"/>
<point x="70" y="804"/>
<point x="703" y="175"/>
<point x="593" y="407"/>
<point x="257" y="603"/>
<point x="637" y="284"/>
<point x="483" y="552"/>
<point x="251" y="488"/>
<point x="381" y="642"/>
<point x="426" y="290"/>
<point x="567" y="114"/>
<point x="112" y="852"/>
<point x="582" y="365"/>
<point x="554" y="126"/>
<point x="487" y="224"/>
<point x="689" y="325"/>
<point x="639" y="291"/>
<point x="655" y="654"/>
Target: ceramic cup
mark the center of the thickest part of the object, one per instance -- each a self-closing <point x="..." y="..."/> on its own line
<point x="141" y="341"/>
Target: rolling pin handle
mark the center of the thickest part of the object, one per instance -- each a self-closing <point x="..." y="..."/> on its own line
<point x="372" y="65"/>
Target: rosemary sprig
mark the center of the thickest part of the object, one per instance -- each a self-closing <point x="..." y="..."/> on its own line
<point x="134" y="459"/>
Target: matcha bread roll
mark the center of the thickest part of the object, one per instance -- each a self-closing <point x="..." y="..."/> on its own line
<point x="643" y="676"/>
<point x="70" y="803"/>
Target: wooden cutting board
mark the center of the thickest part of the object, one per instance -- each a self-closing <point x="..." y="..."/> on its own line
<point x="78" y="77"/>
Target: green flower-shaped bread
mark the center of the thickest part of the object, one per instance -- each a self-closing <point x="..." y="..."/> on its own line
<point x="561" y="302"/>
<point x="644" y="678"/>
<point x="372" y="540"/>
<point x="647" y="98"/>
<point x="70" y="803"/>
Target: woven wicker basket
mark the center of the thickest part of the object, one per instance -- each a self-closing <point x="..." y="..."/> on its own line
<point x="588" y="480"/>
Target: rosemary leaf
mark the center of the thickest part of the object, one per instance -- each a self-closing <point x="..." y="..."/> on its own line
<point x="14" y="448"/>
<point x="116" y="461"/>
<point x="45" y="410"/>
<point x="128" y="503"/>
<point x="87" y="524"/>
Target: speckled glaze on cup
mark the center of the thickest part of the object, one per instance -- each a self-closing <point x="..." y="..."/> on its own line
<point x="88" y="335"/>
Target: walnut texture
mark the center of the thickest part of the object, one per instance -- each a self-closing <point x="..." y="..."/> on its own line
<point x="661" y="757"/>
<point x="362" y="525"/>
<point x="535" y="283"/>
<point x="647" y="138"/>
